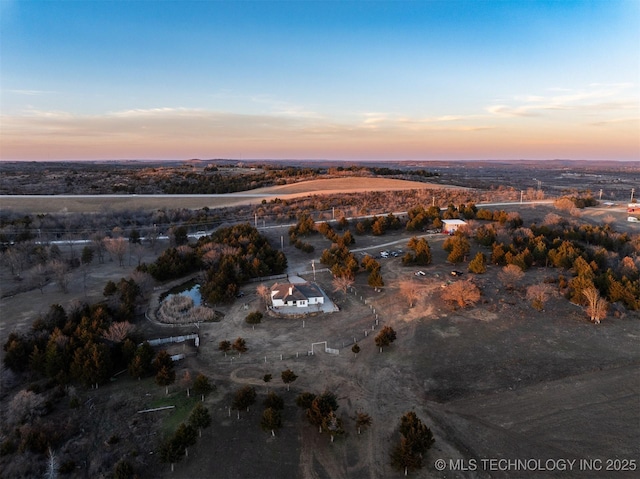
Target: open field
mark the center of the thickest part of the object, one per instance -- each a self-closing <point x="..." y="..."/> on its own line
<point x="105" y="203"/>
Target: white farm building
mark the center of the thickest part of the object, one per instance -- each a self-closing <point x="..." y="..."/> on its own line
<point x="300" y="295"/>
<point x="451" y="226"/>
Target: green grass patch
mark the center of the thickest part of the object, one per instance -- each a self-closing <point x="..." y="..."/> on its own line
<point x="183" y="407"/>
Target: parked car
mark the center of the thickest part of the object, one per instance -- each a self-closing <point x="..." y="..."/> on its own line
<point x="420" y="273"/>
<point x="456" y="273"/>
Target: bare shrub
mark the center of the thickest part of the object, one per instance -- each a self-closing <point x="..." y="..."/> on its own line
<point x="410" y="290"/>
<point x="564" y="204"/>
<point x="25" y="406"/>
<point x="539" y="294"/>
<point x="462" y="293"/>
<point x="510" y="275"/>
<point x="119" y="331"/>
<point x="552" y="219"/>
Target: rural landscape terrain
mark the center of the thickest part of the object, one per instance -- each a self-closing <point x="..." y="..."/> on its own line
<point x="504" y="347"/>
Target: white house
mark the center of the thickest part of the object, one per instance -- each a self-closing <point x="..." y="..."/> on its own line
<point x="300" y="295"/>
<point x="451" y="226"/>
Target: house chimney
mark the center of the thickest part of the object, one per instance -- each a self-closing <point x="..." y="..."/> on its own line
<point x="290" y="290"/>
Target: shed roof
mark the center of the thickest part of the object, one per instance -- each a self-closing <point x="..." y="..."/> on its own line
<point x="454" y="222"/>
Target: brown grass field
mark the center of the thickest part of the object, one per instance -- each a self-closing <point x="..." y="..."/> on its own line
<point x="88" y="204"/>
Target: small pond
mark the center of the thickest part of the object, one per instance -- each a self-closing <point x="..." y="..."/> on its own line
<point x="190" y="288"/>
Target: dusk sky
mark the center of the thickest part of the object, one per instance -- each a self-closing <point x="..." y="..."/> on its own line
<point x="344" y="80"/>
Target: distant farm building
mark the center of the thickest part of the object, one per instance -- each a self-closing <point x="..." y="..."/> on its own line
<point x="633" y="208"/>
<point x="451" y="226"/>
<point x="300" y="295"/>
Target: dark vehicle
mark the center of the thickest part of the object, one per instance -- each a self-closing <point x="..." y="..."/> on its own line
<point x="456" y="273"/>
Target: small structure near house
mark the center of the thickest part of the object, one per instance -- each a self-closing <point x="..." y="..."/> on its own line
<point x="301" y="295"/>
<point x="451" y="226"/>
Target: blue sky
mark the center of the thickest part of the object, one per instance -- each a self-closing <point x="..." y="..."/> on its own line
<point x="309" y="79"/>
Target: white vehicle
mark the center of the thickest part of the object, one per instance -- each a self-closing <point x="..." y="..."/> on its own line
<point x="384" y="254"/>
<point x="420" y="273"/>
<point x="633" y="219"/>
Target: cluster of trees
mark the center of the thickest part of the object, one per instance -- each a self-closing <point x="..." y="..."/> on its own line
<point x="340" y="260"/>
<point x="230" y="255"/>
<point x="372" y="266"/>
<point x="378" y="225"/>
<point x="596" y="255"/>
<point x="421" y="254"/>
<point x="415" y="440"/>
<point x="597" y="263"/>
<point x="174" y="448"/>
<point x="457" y="246"/>
<point x="86" y="345"/>
<point x="420" y="218"/>
<point x="320" y="411"/>
<point x="304" y="227"/>
<point x="239" y="345"/>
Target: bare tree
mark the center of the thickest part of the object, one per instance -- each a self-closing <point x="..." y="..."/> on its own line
<point x="410" y="290"/>
<point x="596" y="306"/>
<point x="627" y="267"/>
<point x="136" y="250"/>
<point x="25" y="406"/>
<point x="61" y="274"/>
<point x="144" y="281"/>
<point x="539" y="294"/>
<point x="119" y="331"/>
<point x="98" y="246"/>
<point x="342" y="283"/>
<point x="52" y="465"/>
<point x="510" y="275"/>
<point x="117" y="248"/>
<point x="37" y="277"/>
<point x="263" y="291"/>
<point x="462" y="293"/>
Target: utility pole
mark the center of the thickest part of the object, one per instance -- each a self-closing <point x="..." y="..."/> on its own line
<point x="600" y="197"/>
<point x="632" y="191"/>
<point x="521" y="195"/>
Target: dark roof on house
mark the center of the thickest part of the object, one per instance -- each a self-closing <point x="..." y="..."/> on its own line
<point x="295" y="292"/>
